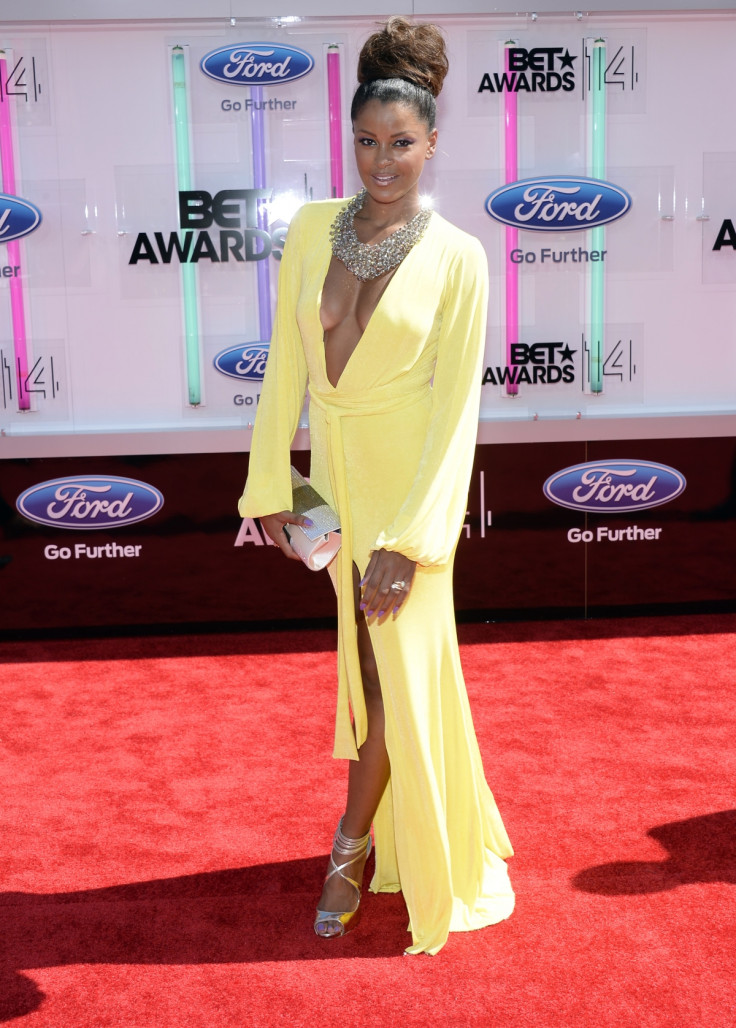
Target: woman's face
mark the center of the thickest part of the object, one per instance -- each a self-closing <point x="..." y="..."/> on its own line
<point x="391" y="145"/>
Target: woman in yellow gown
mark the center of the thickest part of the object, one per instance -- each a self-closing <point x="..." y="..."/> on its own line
<point x="381" y="315"/>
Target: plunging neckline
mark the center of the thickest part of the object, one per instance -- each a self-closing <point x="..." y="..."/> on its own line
<point x="369" y="323"/>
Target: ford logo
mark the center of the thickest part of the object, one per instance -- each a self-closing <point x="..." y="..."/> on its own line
<point x="17" y="217"/>
<point x="246" y="362"/>
<point x="89" y="501"/>
<point x="558" y="204"/>
<point x="607" y="486"/>
<point x="257" y="64"/>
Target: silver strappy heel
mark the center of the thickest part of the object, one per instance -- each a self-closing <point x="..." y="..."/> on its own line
<point x="333" y="924"/>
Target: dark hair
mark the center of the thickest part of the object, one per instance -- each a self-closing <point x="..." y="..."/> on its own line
<point x="403" y="63"/>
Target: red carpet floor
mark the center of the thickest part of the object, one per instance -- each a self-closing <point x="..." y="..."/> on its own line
<point x="166" y="806"/>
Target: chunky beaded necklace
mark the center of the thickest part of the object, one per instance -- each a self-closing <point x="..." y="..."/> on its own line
<point x="369" y="260"/>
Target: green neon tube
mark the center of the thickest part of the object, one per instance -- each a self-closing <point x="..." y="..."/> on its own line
<point x="184" y="182"/>
<point x="598" y="234"/>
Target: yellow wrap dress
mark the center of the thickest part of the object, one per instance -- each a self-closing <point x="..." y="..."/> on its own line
<point x="392" y="448"/>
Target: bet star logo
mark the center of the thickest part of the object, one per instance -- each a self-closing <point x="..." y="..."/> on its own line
<point x="567" y="354"/>
<point x="566" y="60"/>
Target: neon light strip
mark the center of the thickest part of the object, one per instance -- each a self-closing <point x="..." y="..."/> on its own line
<point x="184" y="182"/>
<point x="511" y="145"/>
<point x="335" y="115"/>
<point x="598" y="234"/>
<point x="258" y="135"/>
<point x="15" y="285"/>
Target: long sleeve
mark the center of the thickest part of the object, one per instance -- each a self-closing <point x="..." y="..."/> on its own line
<point x="428" y="524"/>
<point x="268" y="488"/>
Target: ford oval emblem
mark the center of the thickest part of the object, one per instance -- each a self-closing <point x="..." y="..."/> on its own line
<point x="246" y="362"/>
<point x="89" y="501"/>
<point x="17" y="217"/>
<point x="558" y="204"/>
<point x="257" y="64"/>
<point x="609" y="486"/>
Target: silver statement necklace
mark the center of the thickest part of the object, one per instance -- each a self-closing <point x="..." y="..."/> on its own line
<point x="369" y="260"/>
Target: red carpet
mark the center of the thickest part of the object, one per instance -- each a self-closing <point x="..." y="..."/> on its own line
<point x="166" y="806"/>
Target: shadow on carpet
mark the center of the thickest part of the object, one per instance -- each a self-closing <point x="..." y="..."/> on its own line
<point x="701" y="849"/>
<point x="235" y="916"/>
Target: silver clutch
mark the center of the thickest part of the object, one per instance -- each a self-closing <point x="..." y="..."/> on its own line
<point x="318" y="544"/>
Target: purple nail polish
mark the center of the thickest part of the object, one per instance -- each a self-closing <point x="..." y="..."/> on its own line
<point x="363" y="606"/>
<point x="370" y="613"/>
<point x="363" y="580"/>
<point x="381" y="613"/>
<point x="309" y="523"/>
<point x="396" y="610"/>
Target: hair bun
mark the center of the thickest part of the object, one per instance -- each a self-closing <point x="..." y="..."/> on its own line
<point x="401" y="50"/>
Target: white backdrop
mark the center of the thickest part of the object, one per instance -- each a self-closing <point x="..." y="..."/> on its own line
<point x="94" y="146"/>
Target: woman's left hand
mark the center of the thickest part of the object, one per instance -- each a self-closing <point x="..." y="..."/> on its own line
<point x="385" y="569"/>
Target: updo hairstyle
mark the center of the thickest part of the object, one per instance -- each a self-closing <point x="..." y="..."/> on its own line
<point x="403" y="63"/>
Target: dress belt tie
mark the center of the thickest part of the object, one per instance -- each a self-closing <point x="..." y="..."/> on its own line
<point x="347" y="405"/>
<point x="335" y="407"/>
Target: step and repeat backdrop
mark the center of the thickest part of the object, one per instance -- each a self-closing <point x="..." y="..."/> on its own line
<point x="149" y="175"/>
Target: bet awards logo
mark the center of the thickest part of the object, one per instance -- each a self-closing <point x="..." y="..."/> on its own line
<point x="545" y="69"/>
<point x="534" y="364"/>
<point x="726" y="236"/>
<point x="216" y="228"/>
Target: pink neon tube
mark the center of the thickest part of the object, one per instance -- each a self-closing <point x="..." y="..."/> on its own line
<point x="15" y="284"/>
<point x="512" y="234"/>
<point x="335" y="114"/>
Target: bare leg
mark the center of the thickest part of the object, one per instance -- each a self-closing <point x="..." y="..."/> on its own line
<point x="367" y="777"/>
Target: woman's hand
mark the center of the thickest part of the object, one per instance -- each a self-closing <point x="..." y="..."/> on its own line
<point x="273" y="526"/>
<point x="385" y="569"/>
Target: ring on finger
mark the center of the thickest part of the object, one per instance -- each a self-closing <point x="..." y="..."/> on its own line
<point x="399" y="585"/>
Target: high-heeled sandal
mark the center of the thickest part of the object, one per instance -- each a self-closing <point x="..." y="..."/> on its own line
<point x="340" y="922"/>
